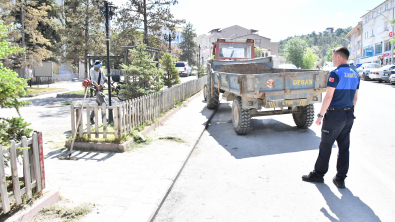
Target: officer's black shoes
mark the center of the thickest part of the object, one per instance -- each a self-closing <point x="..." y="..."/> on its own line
<point x="339" y="183"/>
<point x="92" y="121"/>
<point x="312" y="177"/>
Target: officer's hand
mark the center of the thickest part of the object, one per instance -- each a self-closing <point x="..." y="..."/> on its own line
<point x="99" y="87"/>
<point x="318" y="121"/>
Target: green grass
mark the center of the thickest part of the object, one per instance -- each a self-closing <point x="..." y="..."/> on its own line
<point x="40" y="90"/>
<point x="79" y="92"/>
<point x="176" y="139"/>
<point x="68" y="213"/>
<point x="66" y="103"/>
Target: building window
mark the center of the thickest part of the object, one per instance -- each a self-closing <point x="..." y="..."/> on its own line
<point x="359" y="45"/>
<point x="379" y="48"/>
<point x="356" y="35"/>
<point x="257" y="41"/>
<point x="386" y="26"/>
<point x="372" y="33"/>
<point x="368" y="51"/>
<point x="387" y="46"/>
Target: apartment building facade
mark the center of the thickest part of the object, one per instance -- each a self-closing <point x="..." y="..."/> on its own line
<point x="376" y="30"/>
<point x="355" y="44"/>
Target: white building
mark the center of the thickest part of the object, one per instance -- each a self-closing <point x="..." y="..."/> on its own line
<point x="375" y="33"/>
<point x="205" y="46"/>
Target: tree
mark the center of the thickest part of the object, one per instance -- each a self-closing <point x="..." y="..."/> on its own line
<point x="320" y="40"/>
<point x="170" y="76"/>
<point x="11" y="86"/>
<point x="149" y="17"/>
<point x="294" y="51"/>
<point x="41" y="28"/>
<point x="141" y="76"/>
<point x="258" y="51"/>
<point x="188" y="46"/>
<point x="84" y="34"/>
<point x="309" y="59"/>
<point x="329" y="53"/>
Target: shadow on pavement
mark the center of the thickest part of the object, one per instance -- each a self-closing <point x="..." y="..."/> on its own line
<point x="79" y="155"/>
<point x="267" y="136"/>
<point x="346" y="208"/>
<point x="55" y="102"/>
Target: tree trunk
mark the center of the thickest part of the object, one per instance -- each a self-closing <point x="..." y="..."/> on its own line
<point x="23" y="41"/>
<point x="145" y="24"/>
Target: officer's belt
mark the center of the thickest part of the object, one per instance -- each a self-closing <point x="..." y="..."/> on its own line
<point x="341" y="109"/>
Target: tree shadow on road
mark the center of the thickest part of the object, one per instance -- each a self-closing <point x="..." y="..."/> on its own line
<point x="347" y="208"/>
<point x="267" y="136"/>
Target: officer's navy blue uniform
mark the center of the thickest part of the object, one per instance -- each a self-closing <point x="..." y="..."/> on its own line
<point x="338" y="121"/>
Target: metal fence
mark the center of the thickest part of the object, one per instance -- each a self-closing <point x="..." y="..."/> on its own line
<point x="32" y="165"/>
<point x="129" y="115"/>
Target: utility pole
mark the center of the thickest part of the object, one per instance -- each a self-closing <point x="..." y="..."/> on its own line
<point x="110" y="116"/>
<point x="23" y="40"/>
<point x="198" y="60"/>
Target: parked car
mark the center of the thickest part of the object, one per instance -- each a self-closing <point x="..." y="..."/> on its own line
<point x="328" y="66"/>
<point x="287" y="66"/>
<point x="392" y="79"/>
<point x="388" y="73"/>
<point x="378" y="74"/>
<point x="183" y="68"/>
<point x="365" y="69"/>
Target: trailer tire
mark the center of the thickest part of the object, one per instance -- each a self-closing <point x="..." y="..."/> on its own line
<point x="305" y="117"/>
<point x="240" y="117"/>
<point x="213" y="101"/>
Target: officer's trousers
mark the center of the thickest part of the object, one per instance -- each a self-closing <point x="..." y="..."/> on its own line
<point x="336" y="126"/>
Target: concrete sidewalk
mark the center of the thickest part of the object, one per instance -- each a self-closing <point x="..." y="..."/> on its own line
<point x="130" y="186"/>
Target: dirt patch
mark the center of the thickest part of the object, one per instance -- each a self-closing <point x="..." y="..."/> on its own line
<point x="64" y="210"/>
<point x="176" y="139"/>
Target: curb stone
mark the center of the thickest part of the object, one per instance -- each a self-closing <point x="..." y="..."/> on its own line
<point x="49" y="198"/>
<point x="107" y="147"/>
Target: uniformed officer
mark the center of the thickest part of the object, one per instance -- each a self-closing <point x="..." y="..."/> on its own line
<point x="338" y="107"/>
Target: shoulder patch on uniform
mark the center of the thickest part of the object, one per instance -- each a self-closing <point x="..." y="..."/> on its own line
<point x="331" y="79"/>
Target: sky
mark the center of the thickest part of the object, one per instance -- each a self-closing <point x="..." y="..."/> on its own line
<point x="275" y="19"/>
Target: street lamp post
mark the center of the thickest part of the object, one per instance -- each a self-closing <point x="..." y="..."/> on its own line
<point x="108" y="13"/>
<point x="198" y="60"/>
<point x="169" y="37"/>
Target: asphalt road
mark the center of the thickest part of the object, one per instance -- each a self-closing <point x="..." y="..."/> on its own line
<point x="187" y="78"/>
<point x="257" y="177"/>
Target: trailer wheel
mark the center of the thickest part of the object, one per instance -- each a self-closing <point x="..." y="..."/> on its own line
<point x="205" y="92"/>
<point x="305" y="117"/>
<point x="240" y="117"/>
<point x="213" y="101"/>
